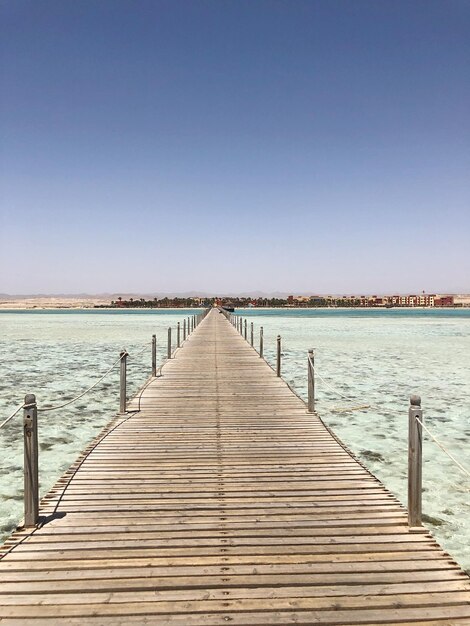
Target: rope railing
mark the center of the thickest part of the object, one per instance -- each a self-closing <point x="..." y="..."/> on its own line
<point x="8" y="419"/>
<point x="443" y="448"/>
<point x="367" y="406"/>
<point x="194" y="320"/>
<point x="416" y="423"/>
<point x="80" y="395"/>
<point x="31" y="410"/>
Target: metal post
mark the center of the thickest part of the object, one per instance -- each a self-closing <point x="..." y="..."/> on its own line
<point x="252" y="335"/>
<point x="278" y="356"/>
<point x="178" y="335"/>
<point x="123" y="382"/>
<point x="154" y="355"/>
<point x="246" y="326"/>
<point x="184" y="329"/>
<point x="31" y="471"/>
<point x="169" y="343"/>
<point x="261" y="342"/>
<point x="415" y="460"/>
<point x="311" y="381"/>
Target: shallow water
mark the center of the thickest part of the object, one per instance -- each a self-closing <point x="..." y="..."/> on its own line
<point x="376" y="358"/>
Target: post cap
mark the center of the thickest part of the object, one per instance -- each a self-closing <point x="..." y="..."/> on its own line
<point x="279" y="337"/>
<point x="415" y="400"/>
<point x="30" y="398"/>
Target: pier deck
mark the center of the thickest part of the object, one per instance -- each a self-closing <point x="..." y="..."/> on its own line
<point x="222" y="501"/>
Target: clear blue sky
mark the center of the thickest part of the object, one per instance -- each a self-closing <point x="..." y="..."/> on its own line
<point x="303" y="146"/>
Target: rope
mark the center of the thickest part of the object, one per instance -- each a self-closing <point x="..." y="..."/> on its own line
<point x="442" y="447"/>
<point x="341" y="395"/>
<point x="12" y="415"/>
<point x="61" y="406"/>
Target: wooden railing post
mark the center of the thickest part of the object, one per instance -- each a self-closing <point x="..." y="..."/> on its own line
<point x="123" y="382"/>
<point x="261" y="342"/>
<point x="154" y="355"/>
<point x="311" y="381"/>
<point x="415" y="460"/>
<point x="184" y="329"/>
<point x="31" y="468"/>
<point x="246" y="327"/>
<point x="189" y="327"/>
<point x="252" y="335"/>
<point x="178" y="335"/>
<point x="278" y="356"/>
<point x="169" y="343"/>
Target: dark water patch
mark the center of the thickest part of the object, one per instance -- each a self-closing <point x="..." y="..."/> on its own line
<point x="52" y="441"/>
<point x="12" y="468"/>
<point x="434" y="521"/>
<point x="439" y="418"/>
<point x="17" y="497"/>
<point x="7" y="527"/>
<point x="370" y="455"/>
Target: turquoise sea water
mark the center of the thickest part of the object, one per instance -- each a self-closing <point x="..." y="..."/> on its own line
<point x="373" y="357"/>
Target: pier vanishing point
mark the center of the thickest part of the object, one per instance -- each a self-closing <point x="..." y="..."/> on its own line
<point x="218" y="499"/>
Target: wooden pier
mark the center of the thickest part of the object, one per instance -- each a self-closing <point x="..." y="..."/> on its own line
<point x="218" y="499"/>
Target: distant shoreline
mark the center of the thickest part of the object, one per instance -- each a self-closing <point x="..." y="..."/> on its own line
<point x="12" y="307"/>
